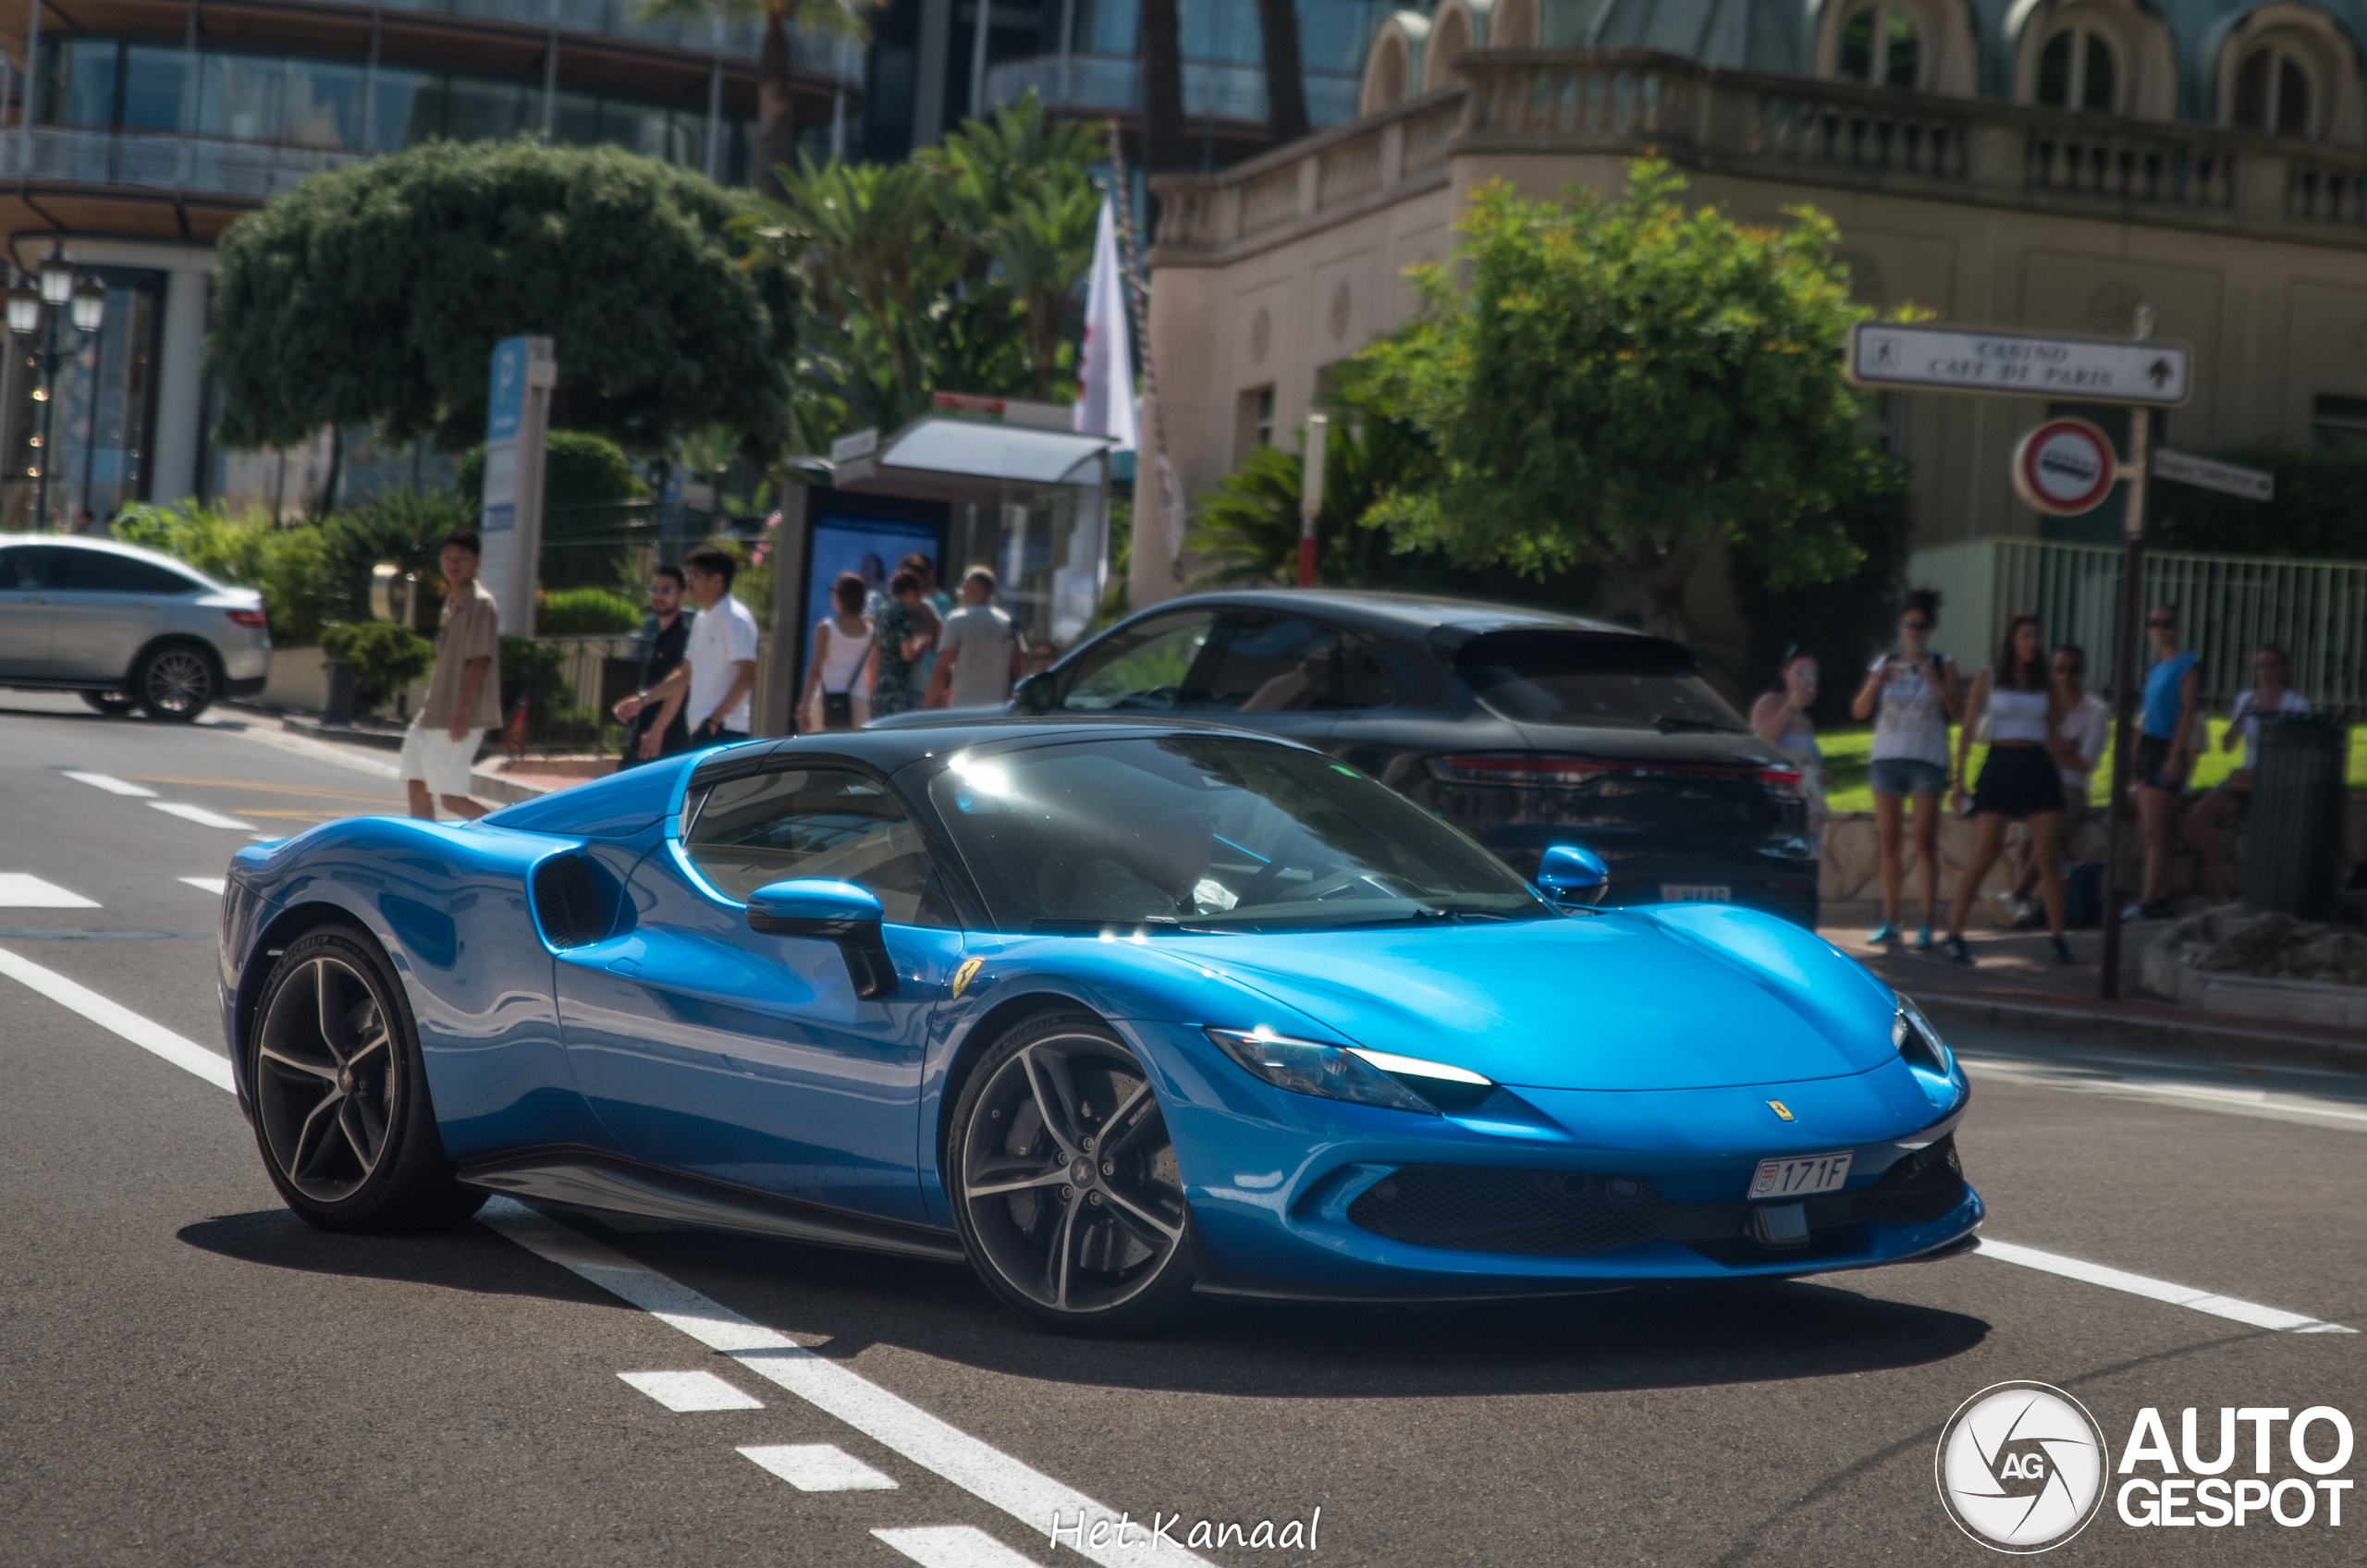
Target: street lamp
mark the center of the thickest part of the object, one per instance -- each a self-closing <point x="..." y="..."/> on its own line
<point x="58" y="299"/>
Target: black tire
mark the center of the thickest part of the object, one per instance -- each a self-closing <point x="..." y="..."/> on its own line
<point x="115" y="704"/>
<point x="1086" y="1228"/>
<point x="341" y="1108"/>
<point x="176" y="682"/>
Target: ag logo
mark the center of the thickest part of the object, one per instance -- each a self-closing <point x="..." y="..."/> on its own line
<point x="2021" y="1468"/>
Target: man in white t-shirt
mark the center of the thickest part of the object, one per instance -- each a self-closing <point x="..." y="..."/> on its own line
<point x="718" y="669"/>
<point x="2225" y="806"/>
<point x="978" y="653"/>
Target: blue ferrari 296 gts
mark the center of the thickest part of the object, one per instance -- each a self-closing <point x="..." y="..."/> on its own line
<point x="1115" y="1012"/>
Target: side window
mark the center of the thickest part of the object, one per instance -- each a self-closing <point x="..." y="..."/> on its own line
<point x="98" y="571"/>
<point x="817" y="822"/>
<point x="1276" y="664"/>
<point x="1141" y="669"/>
<point x="21" y="568"/>
<point x="1364" y="680"/>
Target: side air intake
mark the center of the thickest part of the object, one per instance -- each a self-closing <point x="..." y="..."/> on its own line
<point x="565" y="902"/>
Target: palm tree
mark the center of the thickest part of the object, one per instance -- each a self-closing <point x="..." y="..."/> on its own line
<point x="1285" y="81"/>
<point x="1021" y="195"/>
<point x="775" y="117"/>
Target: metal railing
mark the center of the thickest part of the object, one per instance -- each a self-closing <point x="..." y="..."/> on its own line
<point x="2229" y="606"/>
<point x="153" y="161"/>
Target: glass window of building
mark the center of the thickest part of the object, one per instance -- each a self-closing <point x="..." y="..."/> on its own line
<point x="155" y="77"/>
<point x="2077" y="71"/>
<point x="2272" y="93"/>
<point x="78" y="86"/>
<point x="1883" y="46"/>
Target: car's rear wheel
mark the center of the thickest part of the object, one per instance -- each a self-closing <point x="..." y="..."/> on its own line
<point x="175" y="682"/>
<point x="340" y="1096"/>
<point x="1064" y="1182"/>
<point x="115" y="704"/>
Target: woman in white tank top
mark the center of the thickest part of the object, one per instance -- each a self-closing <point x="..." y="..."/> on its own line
<point x="841" y="648"/>
<point x="2019" y="782"/>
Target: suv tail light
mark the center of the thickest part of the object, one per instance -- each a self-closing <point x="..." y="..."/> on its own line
<point x="1784" y="781"/>
<point x="247" y="617"/>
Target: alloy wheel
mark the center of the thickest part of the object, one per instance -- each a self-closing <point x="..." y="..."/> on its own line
<point x="1069" y="1176"/>
<point x="324" y="1079"/>
<point x="177" y="681"/>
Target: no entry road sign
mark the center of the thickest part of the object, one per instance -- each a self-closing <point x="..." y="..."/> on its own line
<point x="1938" y="357"/>
<point x="2064" y="467"/>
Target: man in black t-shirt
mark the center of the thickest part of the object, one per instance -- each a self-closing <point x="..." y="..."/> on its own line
<point x="654" y="730"/>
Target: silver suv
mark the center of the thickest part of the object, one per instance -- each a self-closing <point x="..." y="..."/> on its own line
<point x="124" y="627"/>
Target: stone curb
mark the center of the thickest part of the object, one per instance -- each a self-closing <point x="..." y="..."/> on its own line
<point x="2163" y="1035"/>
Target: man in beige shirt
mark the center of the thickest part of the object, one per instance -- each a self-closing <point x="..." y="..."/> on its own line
<point x="464" y="692"/>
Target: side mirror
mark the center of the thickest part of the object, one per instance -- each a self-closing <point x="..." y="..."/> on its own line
<point x="1570" y="876"/>
<point x="831" y="911"/>
<point x="1034" y="693"/>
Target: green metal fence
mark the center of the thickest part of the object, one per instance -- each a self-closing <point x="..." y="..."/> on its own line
<point x="2228" y="606"/>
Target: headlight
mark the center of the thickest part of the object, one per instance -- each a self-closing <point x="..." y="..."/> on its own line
<point x="1353" y="1073"/>
<point x="1918" y="1042"/>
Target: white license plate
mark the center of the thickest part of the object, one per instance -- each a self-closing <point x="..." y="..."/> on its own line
<point x="1696" y="893"/>
<point x="1802" y="1176"/>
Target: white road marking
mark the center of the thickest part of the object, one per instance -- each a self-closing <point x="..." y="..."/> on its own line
<point x="22" y="889"/>
<point x="199" y="816"/>
<point x="215" y="884"/>
<point x="2259" y="1316"/>
<point x="2279" y="1104"/>
<point x="690" y="1390"/>
<point x="820" y="1467"/>
<point x="959" y="1546"/>
<point x="978" y="1468"/>
<point x="214" y="1069"/>
<point x="112" y="786"/>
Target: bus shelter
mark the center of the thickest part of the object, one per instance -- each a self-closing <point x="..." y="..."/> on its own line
<point x="994" y="485"/>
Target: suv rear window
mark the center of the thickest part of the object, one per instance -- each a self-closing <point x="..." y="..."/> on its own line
<point x="1598" y="679"/>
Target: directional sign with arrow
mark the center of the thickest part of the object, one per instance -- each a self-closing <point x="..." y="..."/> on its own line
<point x="1931" y="357"/>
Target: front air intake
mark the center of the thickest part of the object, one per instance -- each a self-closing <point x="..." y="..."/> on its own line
<point x="566" y="904"/>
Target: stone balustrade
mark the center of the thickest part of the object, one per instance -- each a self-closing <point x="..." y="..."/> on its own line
<point x="1761" y="125"/>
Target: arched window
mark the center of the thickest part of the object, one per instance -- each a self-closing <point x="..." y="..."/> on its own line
<point x="2272" y="93"/>
<point x="1883" y="46"/>
<point x="2076" y="70"/>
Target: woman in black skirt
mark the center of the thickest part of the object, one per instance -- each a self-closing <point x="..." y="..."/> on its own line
<point x="2020" y="781"/>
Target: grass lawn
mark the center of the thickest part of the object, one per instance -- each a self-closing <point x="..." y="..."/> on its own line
<point x="1846" y="753"/>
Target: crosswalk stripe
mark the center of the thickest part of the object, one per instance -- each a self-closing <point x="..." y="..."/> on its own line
<point x="22" y="889"/>
<point x="215" y="884"/>
<point x="2079" y="1268"/>
<point x="112" y="786"/>
<point x="149" y="1037"/>
<point x="199" y="816"/>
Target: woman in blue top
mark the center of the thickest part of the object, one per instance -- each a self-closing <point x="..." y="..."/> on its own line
<point x="2172" y="710"/>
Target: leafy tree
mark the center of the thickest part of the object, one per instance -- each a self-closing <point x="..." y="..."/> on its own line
<point x="375" y="294"/>
<point x="1620" y="382"/>
<point x="775" y="148"/>
<point x="1846" y="620"/>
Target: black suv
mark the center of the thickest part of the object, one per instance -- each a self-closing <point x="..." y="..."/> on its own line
<point x="1523" y="729"/>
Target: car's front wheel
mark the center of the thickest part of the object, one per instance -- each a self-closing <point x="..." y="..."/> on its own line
<point x="1064" y="1182"/>
<point x="115" y="704"/>
<point x="340" y="1095"/>
<point x="175" y="682"/>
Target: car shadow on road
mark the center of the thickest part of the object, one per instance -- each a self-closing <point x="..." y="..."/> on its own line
<point x="1651" y="1337"/>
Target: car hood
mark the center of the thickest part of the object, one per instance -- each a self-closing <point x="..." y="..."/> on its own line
<point x="1678" y="996"/>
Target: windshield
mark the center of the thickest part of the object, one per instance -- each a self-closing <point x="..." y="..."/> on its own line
<point x="1593" y="678"/>
<point x="1208" y="832"/>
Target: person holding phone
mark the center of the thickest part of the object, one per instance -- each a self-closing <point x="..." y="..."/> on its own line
<point x="1781" y="718"/>
<point x="1911" y="697"/>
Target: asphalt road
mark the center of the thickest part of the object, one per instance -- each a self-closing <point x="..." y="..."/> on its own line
<point x="192" y="1376"/>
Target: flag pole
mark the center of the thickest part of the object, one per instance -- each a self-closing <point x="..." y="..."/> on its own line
<point x="1153" y="474"/>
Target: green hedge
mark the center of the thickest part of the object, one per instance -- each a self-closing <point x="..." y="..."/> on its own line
<point x="385" y="658"/>
<point x="584" y="612"/>
<point x="285" y="563"/>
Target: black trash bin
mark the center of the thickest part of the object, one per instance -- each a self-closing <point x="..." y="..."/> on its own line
<point x="2291" y="866"/>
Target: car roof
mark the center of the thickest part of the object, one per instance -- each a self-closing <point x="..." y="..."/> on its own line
<point x="1413" y="615"/>
<point x="106" y="546"/>
<point x="889" y="750"/>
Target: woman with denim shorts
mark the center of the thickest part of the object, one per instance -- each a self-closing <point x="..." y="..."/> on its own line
<point x="1911" y="697"/>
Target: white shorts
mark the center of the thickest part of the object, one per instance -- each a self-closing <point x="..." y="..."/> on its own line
<point x="437" y="760"/>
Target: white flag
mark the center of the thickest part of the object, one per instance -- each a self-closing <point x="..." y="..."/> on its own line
<point x="1105" y="392"/>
